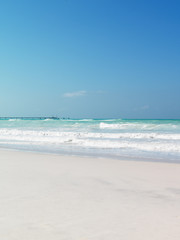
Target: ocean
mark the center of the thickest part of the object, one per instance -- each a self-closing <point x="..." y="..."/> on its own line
<point x="116" y="138"/>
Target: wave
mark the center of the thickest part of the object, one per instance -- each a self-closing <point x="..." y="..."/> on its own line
<point x="85" y="120"/>
<point x="55" y="133"/>
<point x="113" y="135"/>
<point x="142" y="126"/>
<point x="48" y="119"/>
<point x="13" y="120"/>
<point x="125" y="146"/>
<point x="152" y="142"/>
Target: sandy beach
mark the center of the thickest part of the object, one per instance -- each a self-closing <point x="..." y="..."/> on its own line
<point x="46" y="196"/>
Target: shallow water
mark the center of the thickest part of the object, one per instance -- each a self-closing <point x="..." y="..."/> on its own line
<point x="98" y="137"/>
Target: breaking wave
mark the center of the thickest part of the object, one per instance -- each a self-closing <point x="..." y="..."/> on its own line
<point x="148" y="138"/>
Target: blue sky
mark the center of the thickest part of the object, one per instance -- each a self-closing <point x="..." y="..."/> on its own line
<point x="90" y="59"/>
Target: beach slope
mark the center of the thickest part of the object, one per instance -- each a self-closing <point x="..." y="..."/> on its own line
<point x="44" y="196"/>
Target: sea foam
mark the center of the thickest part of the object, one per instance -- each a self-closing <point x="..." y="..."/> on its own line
<point x="146" y="138"/>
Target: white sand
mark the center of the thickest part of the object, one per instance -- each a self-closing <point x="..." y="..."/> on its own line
<point x="49" y="197"/>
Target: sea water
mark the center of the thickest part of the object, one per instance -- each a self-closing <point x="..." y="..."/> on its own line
<point x="150" y="139"/>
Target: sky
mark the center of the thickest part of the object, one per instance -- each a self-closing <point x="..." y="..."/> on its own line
<point x="90" y="59"/>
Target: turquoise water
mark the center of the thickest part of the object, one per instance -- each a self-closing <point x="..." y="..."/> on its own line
<point x="159" y="139"/>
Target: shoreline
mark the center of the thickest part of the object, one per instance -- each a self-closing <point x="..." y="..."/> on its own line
<point x="46" y="196"/>
<point x="98" y="156"/>
<point x="147" y="140"/>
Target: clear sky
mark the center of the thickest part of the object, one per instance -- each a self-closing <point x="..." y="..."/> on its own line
<point x="90" y="59"/>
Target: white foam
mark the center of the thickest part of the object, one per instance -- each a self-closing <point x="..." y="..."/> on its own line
<point x="116" y="136"/>
<point x="152" y="142"/>
<point x="142" y="126"/>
